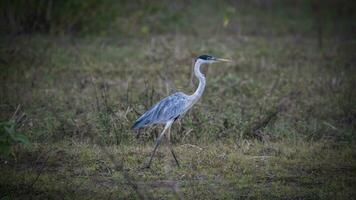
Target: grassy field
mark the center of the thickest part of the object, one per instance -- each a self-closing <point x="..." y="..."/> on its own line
<point x="279" y="122"/>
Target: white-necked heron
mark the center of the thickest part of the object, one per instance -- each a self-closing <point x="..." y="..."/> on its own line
<point x="169" y="109"/>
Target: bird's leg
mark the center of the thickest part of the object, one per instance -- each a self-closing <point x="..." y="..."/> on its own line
<point x="158" y="141"/>
<point x="171" y="147"/>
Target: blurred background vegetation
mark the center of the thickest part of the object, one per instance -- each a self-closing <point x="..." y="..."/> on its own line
<point x="279" y="122"/>
<point x="140" y="17"/>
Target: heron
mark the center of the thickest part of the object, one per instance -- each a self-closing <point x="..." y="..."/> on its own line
<point x="173" y="107"/>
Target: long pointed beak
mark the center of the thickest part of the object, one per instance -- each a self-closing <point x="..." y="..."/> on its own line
<point x="223" y="60"/>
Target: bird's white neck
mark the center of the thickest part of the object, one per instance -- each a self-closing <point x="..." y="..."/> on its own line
<point x="199" y="92"/>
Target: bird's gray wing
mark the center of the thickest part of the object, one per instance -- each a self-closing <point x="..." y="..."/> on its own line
<point x="167" y="109"/>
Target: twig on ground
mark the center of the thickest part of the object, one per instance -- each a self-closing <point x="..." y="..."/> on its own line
<point x="255" y="128"/>
<point x="39" y="173"/>
<point x="13" y="118"/>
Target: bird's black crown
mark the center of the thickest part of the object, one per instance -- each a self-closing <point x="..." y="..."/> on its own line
<point x="206" y="57"/>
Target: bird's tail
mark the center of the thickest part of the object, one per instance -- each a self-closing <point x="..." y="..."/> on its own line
<point x="136" y="125"/>
<point x="141" y="122"/>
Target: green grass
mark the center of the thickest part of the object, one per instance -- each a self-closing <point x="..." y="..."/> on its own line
<point x="277" y="123"/>
<point x="244" y="169"/>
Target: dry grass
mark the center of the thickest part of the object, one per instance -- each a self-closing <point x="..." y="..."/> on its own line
<point x="244" y="169"/>
<point x="277" y="123"/>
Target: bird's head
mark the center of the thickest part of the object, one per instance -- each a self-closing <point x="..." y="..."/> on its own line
<point x="210" y="59"/>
